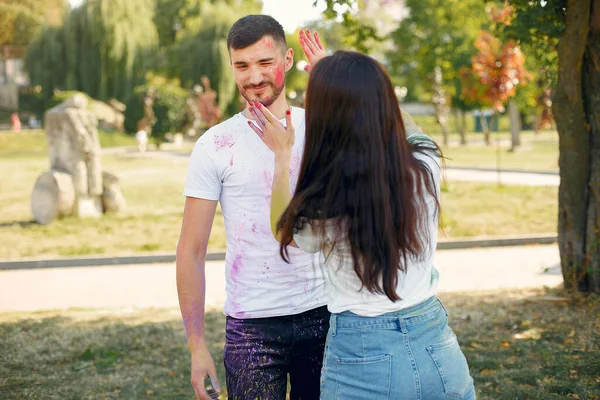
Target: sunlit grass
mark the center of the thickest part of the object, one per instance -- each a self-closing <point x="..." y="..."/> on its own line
<point x="153" y="187"/>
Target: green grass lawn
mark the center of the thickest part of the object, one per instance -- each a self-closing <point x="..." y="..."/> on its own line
<point x="34" y="141"/>
<point x="518" y="346"/>
<point x="534" y="155"/>
<point x="153" y="190"/>
<point x="538" y="152"/>
<point x="484" y="209"/>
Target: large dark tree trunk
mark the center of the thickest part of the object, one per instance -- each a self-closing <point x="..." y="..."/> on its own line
<point x="592" y="109"/>
<point x="576" y="106"/>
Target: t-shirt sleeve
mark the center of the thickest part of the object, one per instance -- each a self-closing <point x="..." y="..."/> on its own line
<point x="308" y="240"/>
<point x="410" y="127"/>
<point x="203" y="178"/>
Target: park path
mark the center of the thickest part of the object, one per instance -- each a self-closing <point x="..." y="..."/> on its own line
<point x="153" y="285"/>
<point x="525" y="178"/>
<point x="506" y="177"/>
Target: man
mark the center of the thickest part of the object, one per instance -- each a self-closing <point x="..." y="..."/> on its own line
<point x="276" y="315"/>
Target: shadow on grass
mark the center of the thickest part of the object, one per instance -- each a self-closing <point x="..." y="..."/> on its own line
<point x="86" y="354"/>
<point x="22" y="224"/>
<point x="534" y="344"/>
<point x="519" y="344"/>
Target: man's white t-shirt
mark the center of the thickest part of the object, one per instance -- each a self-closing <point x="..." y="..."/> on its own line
<point x="231" y="164"/>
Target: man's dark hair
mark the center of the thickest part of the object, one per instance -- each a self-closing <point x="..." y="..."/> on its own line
<point x="251" y="28"/>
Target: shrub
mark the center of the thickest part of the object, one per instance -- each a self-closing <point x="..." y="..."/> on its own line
<point x="169" y="107"/>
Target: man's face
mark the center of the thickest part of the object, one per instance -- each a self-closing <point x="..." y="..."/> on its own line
<point x="259" y="70"/>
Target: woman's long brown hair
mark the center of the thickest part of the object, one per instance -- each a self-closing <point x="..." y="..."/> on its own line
<point x="359" y="170"/>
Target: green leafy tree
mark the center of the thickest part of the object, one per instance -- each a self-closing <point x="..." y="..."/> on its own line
<point x="19" y="24"/>
<point x="537" y="29"/>
<point x="541" y="62"/>
<point x="438" y="33"/>
<point x="201" y="49"/>
<point x="22" y="19"/>
<point x="332" y="34"/>
<point x="358" y="33"/>
<point x="104" y="49"/>
<point x="170" y="16"/>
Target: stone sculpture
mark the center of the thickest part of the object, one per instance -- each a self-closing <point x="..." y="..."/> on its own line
<point x="75" y="184"/>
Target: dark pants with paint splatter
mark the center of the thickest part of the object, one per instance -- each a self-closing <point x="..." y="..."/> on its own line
<point x="261" y="352"/>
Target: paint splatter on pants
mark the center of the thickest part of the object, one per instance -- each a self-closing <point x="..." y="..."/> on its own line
<point x="261" y="352"/>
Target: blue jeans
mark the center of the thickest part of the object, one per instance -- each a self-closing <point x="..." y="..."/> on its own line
<point x="410" y="354"/>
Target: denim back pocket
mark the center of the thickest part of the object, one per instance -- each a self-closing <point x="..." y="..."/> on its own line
<point x="363" y="378"/>
<point x="452" y="367"/>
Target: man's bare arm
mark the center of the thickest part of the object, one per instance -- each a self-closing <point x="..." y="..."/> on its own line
<point x="198" y="218"/>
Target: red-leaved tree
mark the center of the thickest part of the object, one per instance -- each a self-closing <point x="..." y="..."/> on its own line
<point x="496" y="72"/>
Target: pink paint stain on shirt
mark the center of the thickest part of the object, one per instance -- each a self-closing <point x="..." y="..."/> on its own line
<point x="237" y="265"/>
<point x="224" y="142"/>
<point x="268" y="183"/>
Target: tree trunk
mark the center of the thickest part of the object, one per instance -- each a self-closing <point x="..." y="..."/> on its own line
<point x="486" y="130"/>
<point x="463" y="128"/>
<point x="445" y="133"/>
<point x="515" y="124"/>
<point x="591" y="96"/>
<point x="456" y="120"/>
<point x="579" y="202"/>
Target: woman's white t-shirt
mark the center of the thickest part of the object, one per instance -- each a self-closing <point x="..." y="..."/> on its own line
<point x="345" y="291"/>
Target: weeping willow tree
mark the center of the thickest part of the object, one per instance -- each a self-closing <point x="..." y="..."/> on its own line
<point x="104" y="48"/>
<point x="201" y="49"/>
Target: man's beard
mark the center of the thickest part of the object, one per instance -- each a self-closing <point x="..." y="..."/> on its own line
<point x="265" y="102"/>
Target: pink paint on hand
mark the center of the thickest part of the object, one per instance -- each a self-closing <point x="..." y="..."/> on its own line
<point x="223" y="142"/>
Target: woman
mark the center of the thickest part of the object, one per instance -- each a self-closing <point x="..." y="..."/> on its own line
<point x="368" y="198"/>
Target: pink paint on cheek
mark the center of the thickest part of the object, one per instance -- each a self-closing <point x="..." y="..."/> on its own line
<point x="279" y="74"/>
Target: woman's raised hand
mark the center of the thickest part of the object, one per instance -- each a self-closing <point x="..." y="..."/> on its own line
<point x="274" y="134"/>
